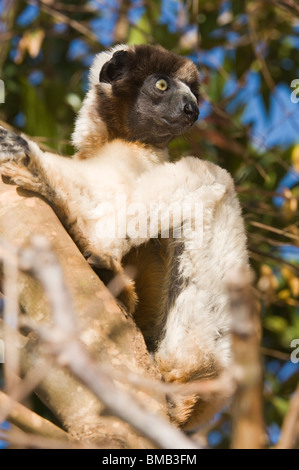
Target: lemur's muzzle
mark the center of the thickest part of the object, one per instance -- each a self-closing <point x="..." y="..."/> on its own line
<point x="191" y="110"/>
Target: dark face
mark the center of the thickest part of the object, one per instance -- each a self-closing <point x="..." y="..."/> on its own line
<point x="164" y="108"/>
<point x="154" y="95"/>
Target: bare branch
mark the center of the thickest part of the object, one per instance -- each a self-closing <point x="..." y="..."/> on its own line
<point x="248" y="431"/>
<point x="21" y="439"/>
<point x="11" y="311"/>
<point x="30" y="421"/>
<point x="289" y="5"/>
<point x="290" y="428"/>
<point x="61" y="17"/>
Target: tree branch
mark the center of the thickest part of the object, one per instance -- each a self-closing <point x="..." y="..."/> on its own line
<point x="29" y="421"/>
<point x="108" y="335"/>
<point x="248" y="431"/>
<point x="290" y="5"/>
<point x="289" y="438"/>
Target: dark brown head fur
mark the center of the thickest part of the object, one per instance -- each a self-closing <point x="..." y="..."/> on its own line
<point x="134" y="109"/>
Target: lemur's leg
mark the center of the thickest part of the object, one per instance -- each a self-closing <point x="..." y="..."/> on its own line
<point x="193" y="326"/>
<point x="26" y="165"/>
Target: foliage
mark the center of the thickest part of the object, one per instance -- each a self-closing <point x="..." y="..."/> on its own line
<point x="248" y="55"/>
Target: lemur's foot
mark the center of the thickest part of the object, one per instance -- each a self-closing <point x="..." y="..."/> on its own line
<point x="128" y="296"/>
<point x="121" y="285"/>
<point x="102" y="260"/>
<point x="21" y="176"/>
<point x="12" y="147"/>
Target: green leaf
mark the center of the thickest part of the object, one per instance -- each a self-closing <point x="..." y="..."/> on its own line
<point x="280" y="404"/>
<point x="39" y="120"/>
<point x="139" y="34"/>
<point x="275" y="323"/>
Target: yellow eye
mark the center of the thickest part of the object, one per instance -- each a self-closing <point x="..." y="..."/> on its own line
<point x="161" y="84"/>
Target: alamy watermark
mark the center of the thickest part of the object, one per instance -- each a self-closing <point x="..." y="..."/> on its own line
<point x="117" y="219"/>
<point x="295" y="353"/>
<point x="295" y="93"/>
<point x="2" y="92"/>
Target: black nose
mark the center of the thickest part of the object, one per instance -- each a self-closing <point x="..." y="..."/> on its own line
<point x="191" y="110"/>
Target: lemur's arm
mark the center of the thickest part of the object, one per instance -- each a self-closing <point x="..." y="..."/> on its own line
<point x="27" y="166"/>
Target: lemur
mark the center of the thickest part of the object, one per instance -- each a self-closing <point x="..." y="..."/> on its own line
<point x="140" y="98"/>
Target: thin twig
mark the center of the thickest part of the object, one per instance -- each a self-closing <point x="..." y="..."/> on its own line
<point x="22" y="388"/>
<point x="290" y="428"/>
<point x="274" y="353"/>
<point x="29" y="421"/>
<point x="274" y="230"/>
<point x="11" y="311"/>
<point x="21" y="439"/>
<point x="248" y="431"/>
<point x="277" y="259"/>
<point x="61" y="17"/>
<point x="288" y="5"/>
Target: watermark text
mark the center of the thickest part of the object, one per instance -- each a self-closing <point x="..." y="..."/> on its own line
<point x="119" y="219"/>
<point x="295" y="93"/>
<point x="2" y="92"/>
<point x="1" y="351"/>
<point x="295" y="353"/>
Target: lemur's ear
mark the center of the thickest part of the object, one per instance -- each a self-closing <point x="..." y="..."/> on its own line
<point x="115" y="68"/>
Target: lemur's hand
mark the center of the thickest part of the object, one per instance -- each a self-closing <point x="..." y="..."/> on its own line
<point x="15" y="162"/>
<point x="12" y="147"/>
